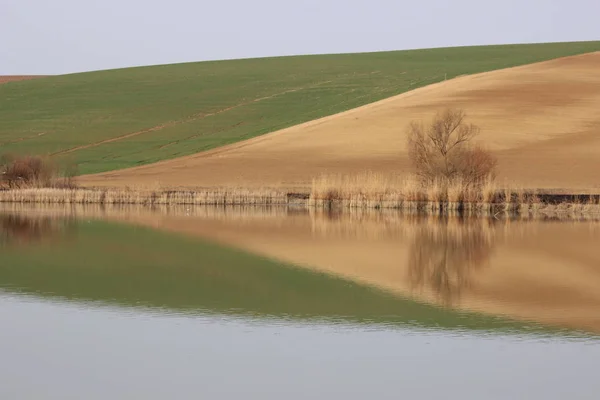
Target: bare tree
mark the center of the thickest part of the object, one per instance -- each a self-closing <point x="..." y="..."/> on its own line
<point x="443" y="150"/>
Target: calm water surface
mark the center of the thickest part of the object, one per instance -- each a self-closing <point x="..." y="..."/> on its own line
<point x="208" y="303"/>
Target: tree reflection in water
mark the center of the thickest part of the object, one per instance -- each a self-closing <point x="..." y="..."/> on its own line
<point x="21" y="230"/>
<point x="446" y="252"/>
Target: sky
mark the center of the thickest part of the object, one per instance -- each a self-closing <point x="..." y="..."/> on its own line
<point x="65" y="36"/>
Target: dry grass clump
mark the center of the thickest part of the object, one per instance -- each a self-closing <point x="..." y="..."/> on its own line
<point x="34" y="172"/>
<point x="378" y="191"/>
<point x="367" y="190"/>
<point x="412" y="195"/>
<point x="343" y="186"/>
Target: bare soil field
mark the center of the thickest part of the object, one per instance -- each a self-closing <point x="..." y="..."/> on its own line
<point x="541" y="121"/>
<point x="13" y="78"/>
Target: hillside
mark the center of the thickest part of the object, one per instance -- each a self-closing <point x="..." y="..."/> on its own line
<point x="541" y="121"/>
<point x="115" y="119"/>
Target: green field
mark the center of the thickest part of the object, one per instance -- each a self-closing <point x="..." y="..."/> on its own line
<point x="128" y="266"/>
<point x="186" y="108"/>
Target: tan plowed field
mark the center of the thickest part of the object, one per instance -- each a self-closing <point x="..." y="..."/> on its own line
<point x="541" y="120"/>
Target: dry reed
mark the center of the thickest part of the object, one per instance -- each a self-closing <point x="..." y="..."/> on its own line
<point x="440" y="197"/>
<point x="144" y="196"/>
<point x="366" y="191"/>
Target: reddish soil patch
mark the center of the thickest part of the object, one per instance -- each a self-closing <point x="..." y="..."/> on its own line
<point x="13" y="78"/>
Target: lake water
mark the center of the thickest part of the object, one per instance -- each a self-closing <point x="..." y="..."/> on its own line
<point x="100" y="303"/>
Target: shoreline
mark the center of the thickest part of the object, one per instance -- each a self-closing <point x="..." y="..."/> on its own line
<point x="540" y="205"/>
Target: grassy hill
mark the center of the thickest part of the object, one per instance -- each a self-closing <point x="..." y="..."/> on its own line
<point x="122" y="118"/>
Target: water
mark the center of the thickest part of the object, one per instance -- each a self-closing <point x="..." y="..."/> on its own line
<point x="272" y="303"/>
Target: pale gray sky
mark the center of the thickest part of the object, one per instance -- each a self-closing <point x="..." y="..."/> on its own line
<point x="62" y="36"/>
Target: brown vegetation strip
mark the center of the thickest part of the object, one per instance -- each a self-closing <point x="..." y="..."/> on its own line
<point x="409" y="200"/>
<point x="14" y="78"/>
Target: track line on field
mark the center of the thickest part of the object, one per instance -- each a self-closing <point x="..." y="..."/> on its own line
<point x="22" y="139"/>
<point x="192" y="118"/>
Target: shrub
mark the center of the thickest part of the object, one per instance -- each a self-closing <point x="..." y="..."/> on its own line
<point x="34" y="171"/>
